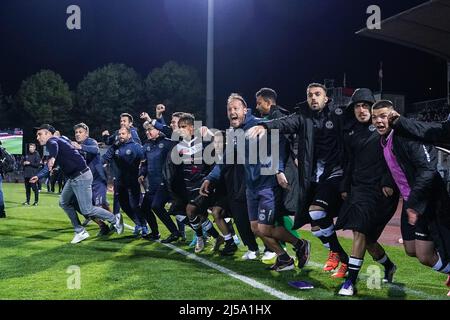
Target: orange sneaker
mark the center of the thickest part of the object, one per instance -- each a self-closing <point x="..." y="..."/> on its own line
<point x="332" y="262"/>
<point x="342" y="272"/>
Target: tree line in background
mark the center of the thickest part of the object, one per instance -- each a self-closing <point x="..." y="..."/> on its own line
<point x="100" y="98"/>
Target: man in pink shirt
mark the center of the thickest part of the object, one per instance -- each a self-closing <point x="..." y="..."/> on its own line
<point x="425" y="219"/>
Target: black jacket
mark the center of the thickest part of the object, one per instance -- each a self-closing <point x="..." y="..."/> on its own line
<point x="288" y="142"/>
<point x="288" y="145"/>
<point x="173" y="175"/>
<point x="277" y="112"/>
<point x="434" y="133"/>
<point x="305" y="123"/>
<point x="419" y="163"/>
<point x="364" y="160"/>
<point x="30" y="170"/>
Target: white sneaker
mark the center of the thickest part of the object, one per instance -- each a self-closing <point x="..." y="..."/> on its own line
<point x="268" y="255"/>
<point x="119" y="224"/>
<point x="250" y="255"/>
<point x="347" y="289"/>
<point x="200" y="245"/>
<point x="80" y="236"/>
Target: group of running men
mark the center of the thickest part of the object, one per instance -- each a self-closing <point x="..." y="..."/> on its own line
<point x="354" y="163"/>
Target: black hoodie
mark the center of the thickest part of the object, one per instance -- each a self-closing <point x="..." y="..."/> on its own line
<point x="30" y="170"/>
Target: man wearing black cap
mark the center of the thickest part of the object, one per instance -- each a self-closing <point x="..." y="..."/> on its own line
<point x="79" y="181"/>
<point x="368" y="189"/>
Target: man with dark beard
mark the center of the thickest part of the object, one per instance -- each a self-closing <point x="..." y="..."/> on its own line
<point x="320" y="157"/>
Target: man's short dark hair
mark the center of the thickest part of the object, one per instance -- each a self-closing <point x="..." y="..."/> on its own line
<point x="267" y="94"/>
<point x="81" y="126"/>
<point x="31" y="144"/>
<point x="383" y="104"/>
<point x="317" y="85"/>
<point x="187" y="118"/>
<point x="127" y="115"/>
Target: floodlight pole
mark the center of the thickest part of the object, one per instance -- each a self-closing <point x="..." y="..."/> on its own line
<point x="448" y="82"/>
<point x="210" y="67"/>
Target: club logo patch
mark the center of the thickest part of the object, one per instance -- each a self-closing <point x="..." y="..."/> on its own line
<point x="128" y="152"/>
<point x="161" y="145"/>
<point x="372" y="128"/>
<point x="329" y="125"/>
<point x="339" y="111"/>
<point x="149" y="149"/>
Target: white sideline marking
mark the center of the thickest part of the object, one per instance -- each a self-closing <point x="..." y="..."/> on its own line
<point x="280" y="294"/>
<point x="253" y="283"/>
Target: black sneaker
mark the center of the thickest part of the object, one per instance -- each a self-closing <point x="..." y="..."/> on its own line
<point x="229" y="249"/>
<point x="26" y="203"/>
<point x="389" y="274"/>
<point x="303" y="253"/>
<point x="172" y="238"/>
<point x="86" y="222"/>
<point x="153" y="236"/>
<point x="281" y="266"/>
<point x="104" y="231"/>
<point x="219" y="241"/>
<point x="35" y="204"/>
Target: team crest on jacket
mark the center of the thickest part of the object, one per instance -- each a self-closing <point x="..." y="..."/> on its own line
<point x="128" y="152"/>
<point x="149" y="149"/>
<point x="329" y="125"/>
<point x="372" y="128"/>
<point x="161" y="145"/>
<point x="339" y="111"/>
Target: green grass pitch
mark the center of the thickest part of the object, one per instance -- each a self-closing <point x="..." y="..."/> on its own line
<point x="13" y="145"/>
<point x="36" y="259"/>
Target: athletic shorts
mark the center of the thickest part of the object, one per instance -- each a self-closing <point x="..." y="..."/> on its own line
<point x="327" y="196"/>
<point x="418" y="232"/>
<point x="264" y="205"/>
<point x="99" y="194"/>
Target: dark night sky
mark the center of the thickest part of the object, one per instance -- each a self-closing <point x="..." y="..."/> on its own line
<point x="284" y="44"/>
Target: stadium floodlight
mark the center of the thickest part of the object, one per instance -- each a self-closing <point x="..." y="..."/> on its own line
<point x="210" y="67"/>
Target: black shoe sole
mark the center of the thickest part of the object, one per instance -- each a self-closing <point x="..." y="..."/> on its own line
<point x="228" y="253"/>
